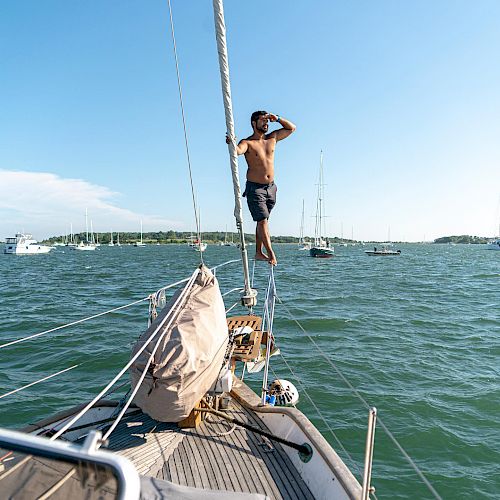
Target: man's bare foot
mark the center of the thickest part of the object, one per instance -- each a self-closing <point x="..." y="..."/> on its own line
<point x="261" y="256"/>
<point x="272" y="259"/>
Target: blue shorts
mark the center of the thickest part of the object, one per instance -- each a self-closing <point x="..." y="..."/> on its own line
<point x="261" y="199"/>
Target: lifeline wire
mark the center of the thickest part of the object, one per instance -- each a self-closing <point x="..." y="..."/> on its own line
<point x="355" y="391"/>
<point x="23" y="339"/>
<point x="195" y="208"/>
<point x="123" y="370"/>
<point x="318" y="412"/>
<point x="38" y="381"/>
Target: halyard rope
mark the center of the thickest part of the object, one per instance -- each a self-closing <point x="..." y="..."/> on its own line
<point x="195" y="207"/>
<point x="365" y="403"/>
<point x="267" y="322"/>
<point x="220" y="35"/>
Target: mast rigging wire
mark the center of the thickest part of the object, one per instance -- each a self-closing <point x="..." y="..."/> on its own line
<point x="365" y="403"/>
<point x="195" y="206"/>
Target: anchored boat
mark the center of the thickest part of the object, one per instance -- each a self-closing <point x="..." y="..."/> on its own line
<point x="24" y="244"/>
<point x="383" y="252"/>
<point x="321" y="247"/>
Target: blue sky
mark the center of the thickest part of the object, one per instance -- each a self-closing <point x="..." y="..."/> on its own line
<point x="403" y="98"/>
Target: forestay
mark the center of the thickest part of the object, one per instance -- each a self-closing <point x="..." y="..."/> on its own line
<point x="189" y="355"/>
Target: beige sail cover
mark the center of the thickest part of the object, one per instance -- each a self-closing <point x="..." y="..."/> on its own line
<point x="189" y="357"/>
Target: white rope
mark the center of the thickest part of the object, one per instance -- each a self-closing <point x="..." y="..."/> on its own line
<point x="232" y="307"/>
<point x="38" y="381"/>
<point x="267" y="323"/>
<point x="220" y="34"/>
<point x="365" y="403"/>
<point x="195" y="208"/>
<point x="181" y="297"/>
<point x="231" y="291"/>
<point x="23" y="339"/>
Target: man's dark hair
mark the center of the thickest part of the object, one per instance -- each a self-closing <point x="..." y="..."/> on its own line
<point x="256" y="114"/>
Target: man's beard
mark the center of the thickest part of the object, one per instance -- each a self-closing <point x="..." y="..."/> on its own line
<point x="264" y="128"/>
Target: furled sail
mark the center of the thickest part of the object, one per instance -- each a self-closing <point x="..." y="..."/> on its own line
<point x="190" y="353"/>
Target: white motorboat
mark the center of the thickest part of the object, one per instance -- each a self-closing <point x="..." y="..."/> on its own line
<point x="24" y="244"/>
<point x="494" y="244"/>
<point x="84" y="247"/>
<point x="198" y="246"/>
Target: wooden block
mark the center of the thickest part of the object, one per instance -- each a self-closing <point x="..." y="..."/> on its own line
<point x="194" y="419"/>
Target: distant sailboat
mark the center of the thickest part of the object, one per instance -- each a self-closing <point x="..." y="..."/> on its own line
<point x="140" y="243"/>
<point x="111" y="244"/>
<point x="494" y="244"/>
<point x="87" y="245"/>
<point x="118" y="244"/>
<point x="303" y="244"/>
<point x="70" y="241"/>
<point x="321" y="247"/>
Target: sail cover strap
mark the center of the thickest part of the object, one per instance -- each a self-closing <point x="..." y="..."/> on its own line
<point x="220" y="33"/>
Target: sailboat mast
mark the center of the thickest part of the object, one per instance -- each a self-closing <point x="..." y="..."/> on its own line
<point x="319" y="205"/>
<point x="301" y="238"/>
<point x="86" y="226"/>
<point x="249" y="298"/>
<point x="321" y="215"/>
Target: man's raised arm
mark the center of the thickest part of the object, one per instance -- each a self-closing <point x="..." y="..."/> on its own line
<point x="282" y="133"/>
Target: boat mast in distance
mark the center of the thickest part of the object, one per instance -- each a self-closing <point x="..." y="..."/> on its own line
<point x="321" y="247"/>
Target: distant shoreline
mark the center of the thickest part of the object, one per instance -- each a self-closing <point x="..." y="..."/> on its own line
<point x="175" y="237"/>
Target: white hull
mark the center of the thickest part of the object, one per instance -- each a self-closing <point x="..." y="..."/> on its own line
<point x="24" y="244"/>
<point x="28" y="250"/>
<point x="84" y="248"/>
<point x="494" y="245"/>
<point x="200" y="248"/>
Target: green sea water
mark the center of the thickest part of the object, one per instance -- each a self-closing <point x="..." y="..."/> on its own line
<point x="418" y="335"/>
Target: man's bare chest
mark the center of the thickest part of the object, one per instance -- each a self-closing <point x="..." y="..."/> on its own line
<point x="261" y="149"/>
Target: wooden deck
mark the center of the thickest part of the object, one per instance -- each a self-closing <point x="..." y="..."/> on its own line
<point x="210" y="457"/>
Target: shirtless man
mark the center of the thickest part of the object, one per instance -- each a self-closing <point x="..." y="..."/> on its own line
<point x="260" y="189"/>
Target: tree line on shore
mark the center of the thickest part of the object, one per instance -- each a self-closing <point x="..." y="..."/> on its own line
<point x="167" y="237"/>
